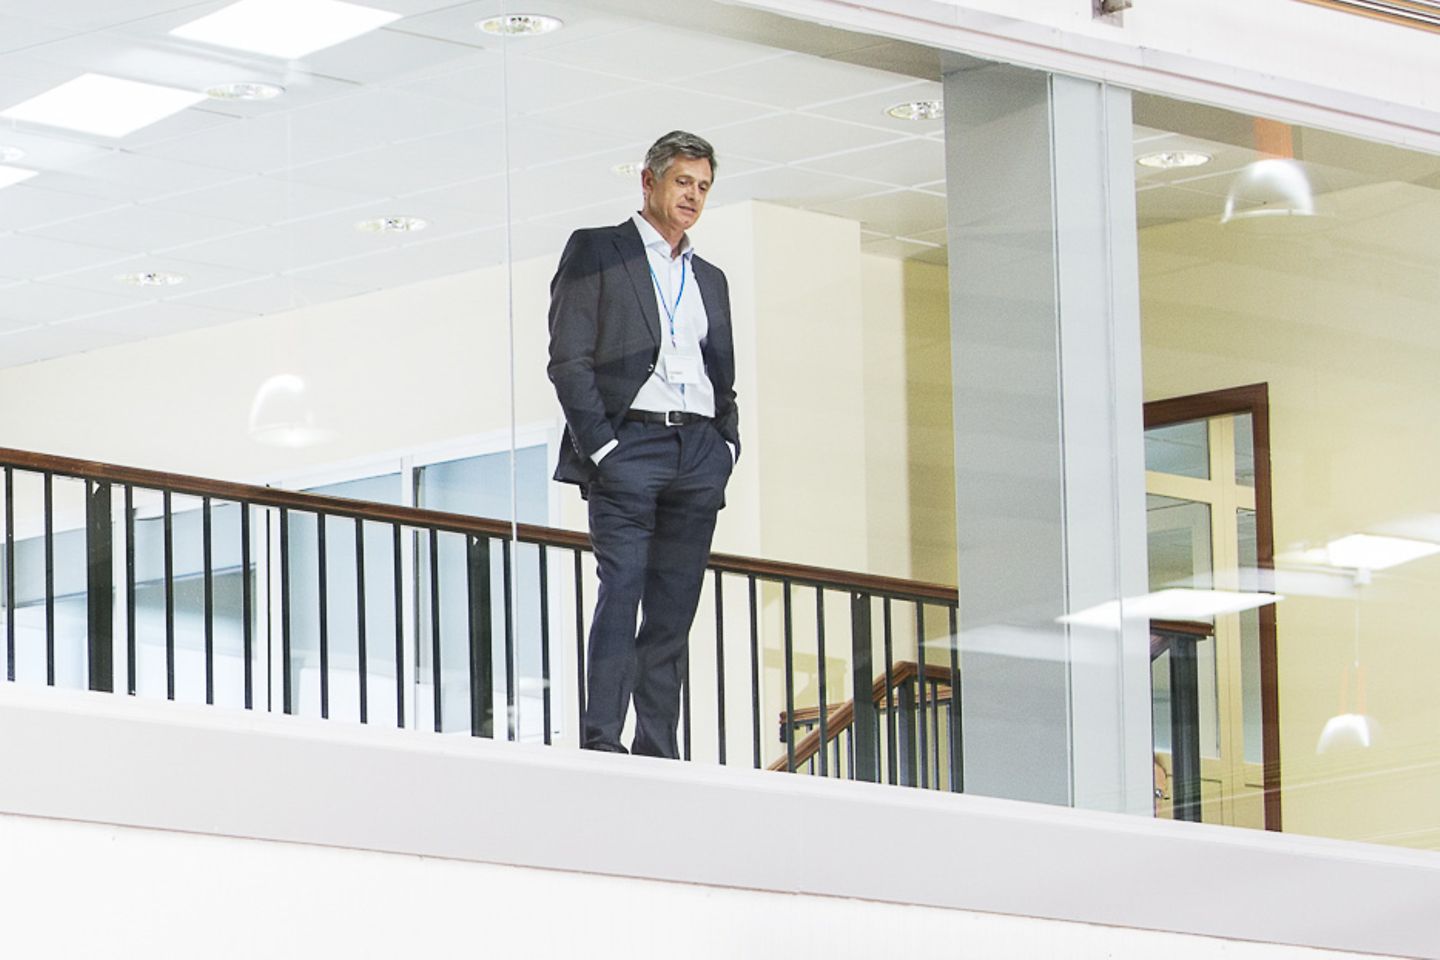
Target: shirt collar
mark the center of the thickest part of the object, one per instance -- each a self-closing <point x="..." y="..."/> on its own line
<point x="651" y="238"/>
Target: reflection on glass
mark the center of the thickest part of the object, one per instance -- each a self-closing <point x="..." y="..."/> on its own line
<point x="1182" y="449"/>
<point x="1178" y="537"/>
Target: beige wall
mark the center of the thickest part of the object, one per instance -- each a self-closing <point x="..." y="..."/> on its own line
<point x="1338" y="317"/>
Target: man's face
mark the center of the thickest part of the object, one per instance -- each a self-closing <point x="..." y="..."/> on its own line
<point x="674" y="200"/>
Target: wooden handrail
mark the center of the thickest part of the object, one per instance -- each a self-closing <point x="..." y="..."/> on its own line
<point x="842" y="717"/>
<point x="798" y="573"/>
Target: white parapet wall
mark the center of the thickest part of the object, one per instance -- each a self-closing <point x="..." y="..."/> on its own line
<point x="133" y="828"/>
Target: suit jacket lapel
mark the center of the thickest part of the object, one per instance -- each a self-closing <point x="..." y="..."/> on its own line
<point x="632" y="254"/>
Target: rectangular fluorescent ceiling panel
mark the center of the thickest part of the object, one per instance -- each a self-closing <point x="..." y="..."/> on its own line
<point x="106" y="106"/>
<point x="1172" y="604"/>
<point x="1368" y="551"/>
<point x="9" y="176"/>
<point x="288" y="29"/>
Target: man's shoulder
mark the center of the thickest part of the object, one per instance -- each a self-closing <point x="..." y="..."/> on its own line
<point x="703" y="267"/>
<point x="594" y="234"/>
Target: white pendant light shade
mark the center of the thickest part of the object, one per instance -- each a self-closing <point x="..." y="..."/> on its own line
<point x="1269" y="188"/>
<point x="282" y="415"/>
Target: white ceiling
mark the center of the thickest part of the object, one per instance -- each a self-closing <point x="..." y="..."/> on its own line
<point x="256" y="202"/>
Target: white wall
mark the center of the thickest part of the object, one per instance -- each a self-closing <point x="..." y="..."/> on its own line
<point x="636" y="856"/>
<point x="91" y="890"/>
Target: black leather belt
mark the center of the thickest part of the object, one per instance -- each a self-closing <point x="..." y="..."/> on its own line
<point x="670" y="418"/>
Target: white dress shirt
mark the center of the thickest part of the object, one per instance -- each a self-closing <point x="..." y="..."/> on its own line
<point x="683" y="328"/>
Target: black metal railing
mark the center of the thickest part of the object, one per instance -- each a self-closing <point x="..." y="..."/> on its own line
<point x="360" y="610"/>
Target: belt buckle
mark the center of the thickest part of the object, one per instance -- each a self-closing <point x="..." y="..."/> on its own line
<point x="674" y="418"/>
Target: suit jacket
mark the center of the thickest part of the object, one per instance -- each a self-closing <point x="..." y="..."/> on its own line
<point x="605" y="340"/>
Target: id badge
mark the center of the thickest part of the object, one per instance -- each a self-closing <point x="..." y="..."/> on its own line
<point x="682" y="369"/>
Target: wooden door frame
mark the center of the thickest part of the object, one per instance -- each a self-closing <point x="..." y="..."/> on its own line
<point x="1253" y="399"/>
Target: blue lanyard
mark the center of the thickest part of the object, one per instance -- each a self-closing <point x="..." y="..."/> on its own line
<point x="670" y="311"/>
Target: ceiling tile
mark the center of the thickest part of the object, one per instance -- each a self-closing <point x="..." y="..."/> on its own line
<point x="793" y="138"/>
<point x="646" y="113"/>
<point x="36" y="303"/>
<point x="788" y="185"/>
<point x="900" y="213"/>
<point x="259" y="200"/>
<point x="541" y="141"/>
<point x="332" y="128"/>
<point x="269" y="295"/>
<point x="516" y="86"/>
<point x="457" y="22"/>
<point x="24" y="206"/>
<point x="38" y="257"/>
<point x="121" y="175"/>
<point x="896" y="247"/>
<point x="47" y="151"/>
<point x="198" y="276"/>
<point x="138" y="228"/>
<point x="158" y="319"/>
<point x="89" y="14"/>
<point x="908" y="163"/>
<point x="414" y="263"/>
<point x="793" y="80"/>
<point x="656" y="53"/>
<point x="388" y="54"/>
<point x="416" y="165"/>
<point x="44" y="343"/>
<point x="17" y="34"/>
<point x="870" y="108"/>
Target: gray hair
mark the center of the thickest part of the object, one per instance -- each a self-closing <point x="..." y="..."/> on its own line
<point x="678" y="143"/>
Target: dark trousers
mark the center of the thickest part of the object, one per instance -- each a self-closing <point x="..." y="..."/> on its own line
<point x="652" y="515"/>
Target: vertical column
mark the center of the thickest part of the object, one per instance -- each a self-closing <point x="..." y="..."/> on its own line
<point x="1049" y="462"/>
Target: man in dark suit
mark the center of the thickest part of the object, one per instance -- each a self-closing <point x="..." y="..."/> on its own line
<point x="643" y="362"/>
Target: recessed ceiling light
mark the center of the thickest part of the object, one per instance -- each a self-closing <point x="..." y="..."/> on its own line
<point x="628" y="169"/>
<point x="245" y="90"/>
<point x="11" y="154"/>
<point x="392" y="225"/>
<point x="108" y="106"/>
<point x="9" y="176"/>
<point x="285" y="28"/>
<point x="520" y="25"/>
<point x="918" y="110"/>
<point x="1173" y="159"/>
<point x="152" y="278"/>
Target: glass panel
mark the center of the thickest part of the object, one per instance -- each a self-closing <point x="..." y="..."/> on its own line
<point x="1181" y="448"/>
<point x="1244" y="449"/>
<point x="1262" y="278"/>
<point x="1179" y="543"/>
<point x="481" y="486"/>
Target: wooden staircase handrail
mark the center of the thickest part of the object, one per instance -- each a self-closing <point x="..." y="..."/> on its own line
<point x="842" y="717"/>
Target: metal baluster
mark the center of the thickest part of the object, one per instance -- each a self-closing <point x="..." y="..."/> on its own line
<point x="49" y="580"/>
<point x="512" y="708"/>
<point x="957" y="749"/>
<point x="865" y="763"/>
<point x="580" y="646"/>
<point x="361" y="649"/>
<point x="169" y="598"/>
<point x="820" y="656"/>
<point x="208" y="566"/>
<point x="322" y="576"/>
<point x="935" y="731"/>
<point x="99" y="587"/>
<point x="435" y="628"/>
<point x="286" y="699"/>
<point x="754" y="669"/>
<point x="247" y="606"/>
<point x="720" y="668"/>
<point x="481" y="639"/>
<point x="892" y="760"/>
<point x="130" y="640"/>
<point x="789" y="682"/>
<point x="397" y="557"/>
<point x="10" y="578"/>
<point x="545" y="640"/>
<point x="922" y="738"/>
